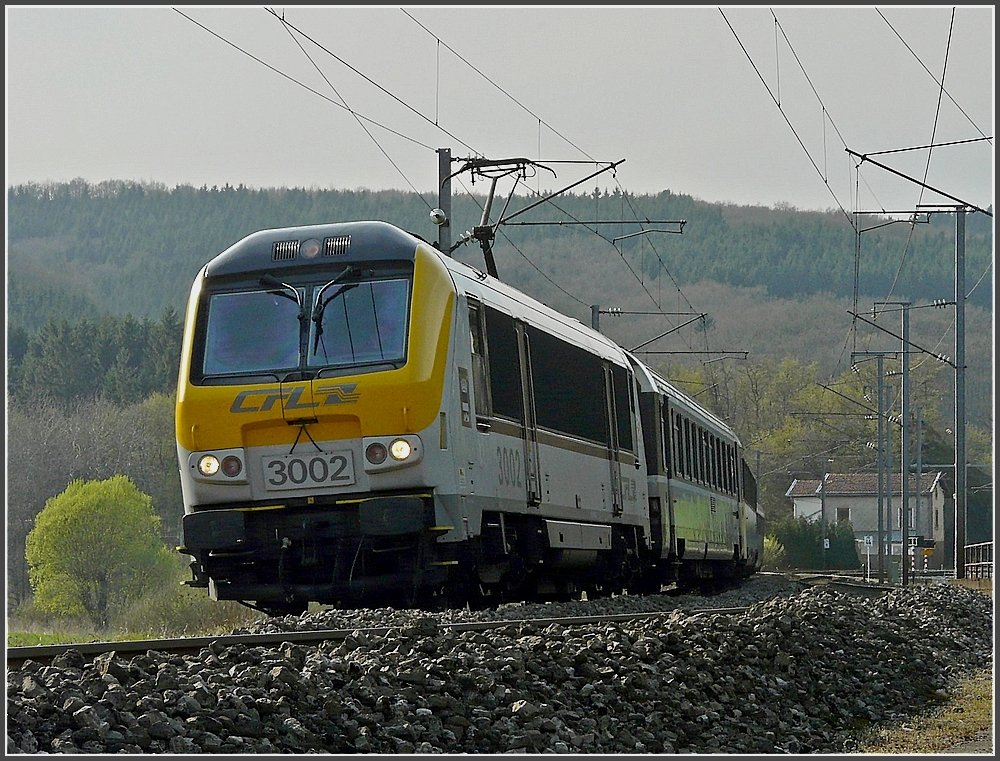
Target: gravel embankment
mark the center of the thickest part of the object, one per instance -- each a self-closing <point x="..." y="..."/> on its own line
<point x="795" y="674"/>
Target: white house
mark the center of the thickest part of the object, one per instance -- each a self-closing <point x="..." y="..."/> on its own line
<point x="853" y="498"/>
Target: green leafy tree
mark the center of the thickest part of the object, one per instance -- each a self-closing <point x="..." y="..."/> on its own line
<point x="95" y="548"/>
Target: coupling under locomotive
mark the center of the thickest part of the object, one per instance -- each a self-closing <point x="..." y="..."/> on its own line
<point x="364" y="420"/>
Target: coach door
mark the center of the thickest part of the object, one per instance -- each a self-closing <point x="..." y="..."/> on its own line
<point x="529" y="424"/>
<point x="617" y="384"/>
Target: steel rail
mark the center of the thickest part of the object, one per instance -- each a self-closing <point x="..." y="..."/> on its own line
<point x="45" y="653"/>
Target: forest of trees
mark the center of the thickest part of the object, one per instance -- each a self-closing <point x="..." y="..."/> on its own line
<point x="98" y="276"/>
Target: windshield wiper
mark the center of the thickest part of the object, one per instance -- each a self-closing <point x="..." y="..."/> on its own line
<point x="276" y="286"/>
<point x="321" y="302"/>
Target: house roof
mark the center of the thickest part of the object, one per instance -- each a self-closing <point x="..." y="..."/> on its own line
<point x="803" y="487"/>
<point x="857" y="484"/>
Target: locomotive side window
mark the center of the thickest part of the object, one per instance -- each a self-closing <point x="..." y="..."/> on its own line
<point x="480" y="387"/>
<point x="251" y="331"/>
<point x="623" y="405"/>
<point x="504" y="365"/>
<point x="568" y="384"/>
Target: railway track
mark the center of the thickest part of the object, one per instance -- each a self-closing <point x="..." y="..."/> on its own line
<point x="46" y="653"/>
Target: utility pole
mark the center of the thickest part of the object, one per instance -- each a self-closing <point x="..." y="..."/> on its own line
<point x="822" y="518"/>
<point x="905" y="446"/>
<point x="960" y="475"/>
<point x="920" y="475"/>
<point x="444" y="198"/>
<point x="887" y="466"/>
<point x="960" y="208"/>
<point x="904" y="522"/>
<point x="881" y="465"/>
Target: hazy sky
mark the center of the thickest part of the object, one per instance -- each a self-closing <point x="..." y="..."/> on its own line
<point x="148" y="94"/>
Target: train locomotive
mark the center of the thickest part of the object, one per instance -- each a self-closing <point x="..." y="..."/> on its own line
<point x="364" y="420"/>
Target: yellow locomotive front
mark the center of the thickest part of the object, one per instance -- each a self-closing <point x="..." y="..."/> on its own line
<point x="309" y="404"/>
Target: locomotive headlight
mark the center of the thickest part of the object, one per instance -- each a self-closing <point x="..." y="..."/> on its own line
<point x="400" y="449"/>
<point x="375" y="453"/>
<point x="387" y="453"/>
<point x="223" y="466"/>
<point x="209" y="465"/>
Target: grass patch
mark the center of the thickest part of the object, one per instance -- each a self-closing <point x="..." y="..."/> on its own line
<point x="168" y="611"/>
<point x="965" y="717"/>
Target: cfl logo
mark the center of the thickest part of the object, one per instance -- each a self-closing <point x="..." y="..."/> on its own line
<point x="264" y="399"/>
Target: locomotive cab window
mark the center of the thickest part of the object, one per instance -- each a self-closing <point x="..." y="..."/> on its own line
<point x="360" y="323"/>
<point x="251" y="332"/>
<point x="269" y="332"/>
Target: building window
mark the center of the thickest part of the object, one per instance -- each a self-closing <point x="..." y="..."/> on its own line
<point x="843" y="515"/>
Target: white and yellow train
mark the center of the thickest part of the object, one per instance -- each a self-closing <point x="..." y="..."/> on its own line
<point x="363" y="420"/>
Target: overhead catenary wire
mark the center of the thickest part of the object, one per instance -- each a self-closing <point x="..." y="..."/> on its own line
<point x="372" y="82"/>
<point x="361" y="124"/>
<point x="295" y="81"/>
<point x="931" y="74"/>
<point x="498" y="87"/>
<point x="777" y="103"/>
<point x="927" y="165"/>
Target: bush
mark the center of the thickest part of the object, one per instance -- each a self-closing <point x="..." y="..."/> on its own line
<point x="774" y="558"/>
<point x="802" y="541"/>
<point x="174" y="610"/>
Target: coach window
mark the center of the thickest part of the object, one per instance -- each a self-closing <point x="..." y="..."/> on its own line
<point x="678" y="433"/>
<point x="695" y="442"/>
<point x="710" y="456"/>
<point x="733" y="476"/>
<point x="717" y="462"/>
<point x="666" y="433"/>
<point x="706" y="460"/>
<point x="504" y="365"/>
<point x="706" y="450"/>
<point x="699" y="453"/>
<point x="688" y="459"/>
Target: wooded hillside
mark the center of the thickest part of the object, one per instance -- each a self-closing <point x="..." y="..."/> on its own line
<point x="773" y="282"/>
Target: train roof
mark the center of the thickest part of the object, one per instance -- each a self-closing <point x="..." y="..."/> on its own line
<point x="279" y="248"/>
<point x="497" y="293"/>
<point x="650" y="380"/>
